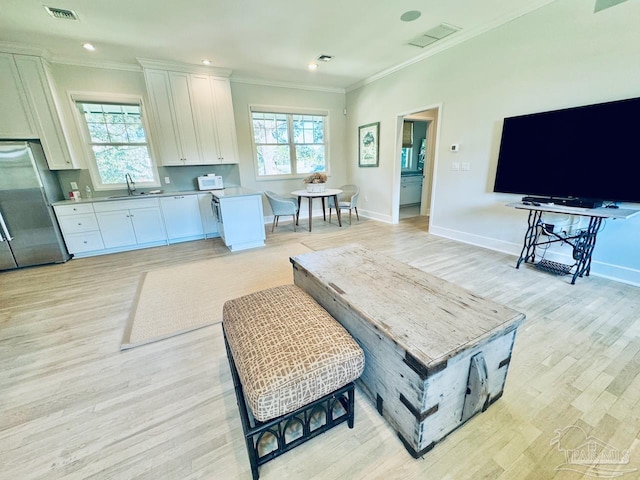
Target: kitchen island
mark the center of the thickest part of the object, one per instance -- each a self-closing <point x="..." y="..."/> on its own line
<point x="239" y="217"/>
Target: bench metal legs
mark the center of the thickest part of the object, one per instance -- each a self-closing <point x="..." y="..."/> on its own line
<point x="288" y="431"/>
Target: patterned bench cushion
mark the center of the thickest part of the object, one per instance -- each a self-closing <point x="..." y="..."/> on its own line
<point x="288" y="350"/>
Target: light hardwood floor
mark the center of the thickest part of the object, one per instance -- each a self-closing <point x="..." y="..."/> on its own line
<point x="73" y="406"/>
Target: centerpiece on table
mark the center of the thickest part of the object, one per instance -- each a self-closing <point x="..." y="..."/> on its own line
<point x="315" y="182"/>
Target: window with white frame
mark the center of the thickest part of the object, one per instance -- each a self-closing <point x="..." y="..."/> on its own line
<point x="117" y="143"/>
<point x="288" y="144"/>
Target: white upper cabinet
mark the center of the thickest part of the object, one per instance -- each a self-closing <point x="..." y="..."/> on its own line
<point x="16" y="120"/>
<point x="42" y="97"/>
<point x="185" y="119"/>
<point x="225" y="120"/>
<point x="193" y="116"/>
<point x="28" y="95"/>
<point x="216" y="125"/>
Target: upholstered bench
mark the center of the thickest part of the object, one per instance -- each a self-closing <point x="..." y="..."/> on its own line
<point x="293" y="368"/>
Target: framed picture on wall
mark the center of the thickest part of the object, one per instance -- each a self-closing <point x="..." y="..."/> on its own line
<point x="368" y="140"/>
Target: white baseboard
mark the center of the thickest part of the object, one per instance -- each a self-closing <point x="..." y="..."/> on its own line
<point x="374" y="216"/>
<point x="617" y="273"/>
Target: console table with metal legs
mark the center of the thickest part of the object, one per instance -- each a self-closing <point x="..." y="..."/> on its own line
<point x="583" y="241"/>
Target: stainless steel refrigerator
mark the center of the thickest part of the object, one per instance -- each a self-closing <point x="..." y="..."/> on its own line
<point x="29" y="232"/>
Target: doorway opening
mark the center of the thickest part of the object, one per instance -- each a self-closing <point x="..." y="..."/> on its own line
<point x="417" y="158"/>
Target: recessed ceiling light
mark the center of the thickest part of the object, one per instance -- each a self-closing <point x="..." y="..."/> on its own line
<point x="410" y="16"/>
<point x="206" y="62"/>
<point x="88" y="46"/>
<point x="312" y="66"/>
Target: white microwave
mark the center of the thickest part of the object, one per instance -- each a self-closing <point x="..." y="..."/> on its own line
<point x="210" y="182"/>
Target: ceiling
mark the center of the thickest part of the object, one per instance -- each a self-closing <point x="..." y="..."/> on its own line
<point x="263" y="41"/>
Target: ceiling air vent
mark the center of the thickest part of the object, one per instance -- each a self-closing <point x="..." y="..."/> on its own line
<point x="433" y="35"/>
<point x="61" y="13"/>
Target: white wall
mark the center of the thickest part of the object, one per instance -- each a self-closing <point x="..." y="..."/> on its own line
<point x="72" y="78"/>
<point x="244" y="95"/>
<point x="559" y="56"/>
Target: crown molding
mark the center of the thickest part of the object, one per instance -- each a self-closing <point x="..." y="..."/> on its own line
<point x="459" y="37"/>
<point x="270" y="83"/>
<point x="21" y="49"/>
<point x="184" y="67"/>
<point x="128" y="67"/>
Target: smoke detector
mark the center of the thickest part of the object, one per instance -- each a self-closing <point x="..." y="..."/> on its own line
<point x="61" y="13"/>
<point x="433" y="35"/>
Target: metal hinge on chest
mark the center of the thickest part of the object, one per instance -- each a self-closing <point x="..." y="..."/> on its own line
<point x="420" y="368"/>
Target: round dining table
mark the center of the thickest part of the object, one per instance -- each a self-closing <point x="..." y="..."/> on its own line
<point x="328" y="192"/>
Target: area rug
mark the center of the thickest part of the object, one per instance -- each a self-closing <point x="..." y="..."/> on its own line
<point x="176" y="300"/>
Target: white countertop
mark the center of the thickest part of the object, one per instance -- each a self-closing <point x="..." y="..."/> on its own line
<point x="230" y="192"/>
<point x="234" y="192"/>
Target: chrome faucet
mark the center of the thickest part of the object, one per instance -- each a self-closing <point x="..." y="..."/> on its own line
<point x="131" y="185"/>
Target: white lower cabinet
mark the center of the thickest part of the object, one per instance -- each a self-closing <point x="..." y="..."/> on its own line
<point x="410" y="189"/>
<point x="79" y="228"/>
<point x="129" y="223"/>
<point x="182" y="217"/>
<point x="100" y="227"/>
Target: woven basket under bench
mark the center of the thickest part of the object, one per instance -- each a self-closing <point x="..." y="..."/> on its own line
<point x="293" y="368"/>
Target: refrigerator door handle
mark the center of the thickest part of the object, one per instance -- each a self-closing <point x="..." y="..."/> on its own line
<point x="5" y="229"/>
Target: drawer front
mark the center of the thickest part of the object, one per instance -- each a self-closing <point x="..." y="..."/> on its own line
<point x="83" y="242"/>
<point x="79" y="209"/>
<point x="78" y="223"/>
<point x="111" y="206"/>
<point x="411" y="179"/>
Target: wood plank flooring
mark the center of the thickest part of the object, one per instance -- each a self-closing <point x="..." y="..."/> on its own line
<point x="72" y="406"/>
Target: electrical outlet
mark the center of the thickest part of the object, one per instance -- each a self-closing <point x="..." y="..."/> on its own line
<point x="167" y="180"/>
<point x="465" y="166"/>
<point x="74" y="186"/>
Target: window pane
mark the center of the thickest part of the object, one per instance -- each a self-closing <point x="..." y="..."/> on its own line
<point x="98" y="132"/>
<point x="114" y="162"/>
<point x="405" y="161"/>
<point x="117" y="133"/>
<point x="273" y="160"/>
<point x="308" y="129"/>
<point x="310" y="158"/>
<point x="135" y="133"/>
<point x="270" y="128"/>
<point x="119" y="143"/>
<point x="272" y="140"/>
<point x="107" y="123"/>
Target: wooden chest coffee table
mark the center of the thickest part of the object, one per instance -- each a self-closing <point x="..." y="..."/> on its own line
<point x="435" y="354"/>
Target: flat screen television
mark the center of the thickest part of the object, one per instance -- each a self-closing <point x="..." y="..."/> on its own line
<point x="587" y="152"/>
